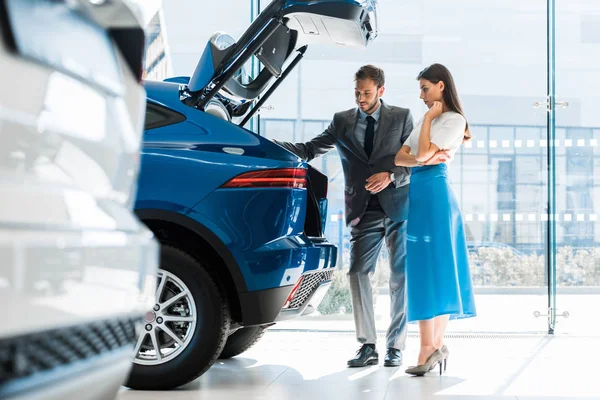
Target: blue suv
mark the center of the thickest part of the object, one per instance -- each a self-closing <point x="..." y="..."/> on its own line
<point x="240" y="219"/>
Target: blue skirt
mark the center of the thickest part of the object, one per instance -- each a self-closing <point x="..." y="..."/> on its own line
<point x="438" y="278"/>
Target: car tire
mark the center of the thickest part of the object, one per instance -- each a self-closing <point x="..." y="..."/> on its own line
<point x="241" y="340"/>
<point x="209" y="333"/>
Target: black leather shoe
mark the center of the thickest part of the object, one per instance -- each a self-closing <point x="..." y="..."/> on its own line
<point x="367" y="355"/>
<point x="393" y="358"/>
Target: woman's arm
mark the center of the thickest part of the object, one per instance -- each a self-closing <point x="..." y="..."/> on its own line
<point x="426" y="148"/>
<point x="448" y="135"/>
<point x="404" y="158"/>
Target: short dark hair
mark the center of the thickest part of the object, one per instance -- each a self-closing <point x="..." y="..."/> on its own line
<point x="371" y="72"/>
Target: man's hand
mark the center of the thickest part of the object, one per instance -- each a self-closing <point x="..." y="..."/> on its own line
<point x="376" y="183"/>
<point x="439" y="157"/>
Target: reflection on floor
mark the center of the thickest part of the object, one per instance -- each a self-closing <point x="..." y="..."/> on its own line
<point x="311" y="365"/>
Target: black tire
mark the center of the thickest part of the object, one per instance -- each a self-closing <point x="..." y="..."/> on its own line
<point x="241" y="340"/>
<point x="210" y="332"/>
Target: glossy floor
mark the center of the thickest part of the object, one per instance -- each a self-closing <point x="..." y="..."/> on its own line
<point x="311" y="365"/>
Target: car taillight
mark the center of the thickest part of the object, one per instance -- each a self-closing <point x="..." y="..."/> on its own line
<point x="289" y="299"/>
<point x="294" y="178"/>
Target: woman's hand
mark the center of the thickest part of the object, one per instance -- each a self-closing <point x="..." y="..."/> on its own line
<point x="440" y="157"/>
<point x="435" y="111"/>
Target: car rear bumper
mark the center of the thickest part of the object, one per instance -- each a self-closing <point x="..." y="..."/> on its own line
<point x="261" y="307"/>
<point x="312" y="286"/>
<point x="303" y="297"/>
<point x="312" y="290"/>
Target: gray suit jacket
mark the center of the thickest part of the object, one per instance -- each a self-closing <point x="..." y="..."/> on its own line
<point x="395" y="125"/>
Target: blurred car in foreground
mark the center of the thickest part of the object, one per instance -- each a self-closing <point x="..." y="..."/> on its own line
<point x="77" y="268"/>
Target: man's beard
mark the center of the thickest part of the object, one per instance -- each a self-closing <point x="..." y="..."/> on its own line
<point x="372" y="106"/>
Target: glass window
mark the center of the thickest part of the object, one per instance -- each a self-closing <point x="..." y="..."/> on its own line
<point x="476" y="231"/>
<point x="158" y="116"/>
<point x="278" y="129"/>
<point x="530" y="215"/>
<point x="153" y="117"/>
<point x="561" y="171"/>
<point x="503" y="232"/>
<point x="531" y="200"/>
<point x="479" y="143"/>
<point x="561" y="139"/>
<point x="502" y="176"/>
<point x="531" y="234"/>
<point x="312" y="129"/>
<point x="474" y="199"/>
<point x="530" y="140"/>
<point x="596" y="211"/>
<point x="561" y="198"/>
<point x="455" y="170"/>
<point x="580" y="158"/>
<point x="596" y="172"/>
<point x="529" y="169"/>
<point x="475" y="168"/>
<point x="330" y="165"/>
<point x="501" y="140"/>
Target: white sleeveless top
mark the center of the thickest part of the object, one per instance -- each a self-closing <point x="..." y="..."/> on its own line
<point x="447" y="132"/>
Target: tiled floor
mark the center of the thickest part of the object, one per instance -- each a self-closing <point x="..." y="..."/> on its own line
<point x="311" y="365"/>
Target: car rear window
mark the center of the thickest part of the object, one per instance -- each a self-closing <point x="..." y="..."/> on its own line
<point x="158" y="116"/>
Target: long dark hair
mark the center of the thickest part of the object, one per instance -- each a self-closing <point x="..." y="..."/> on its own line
<point x="436" y="73"/>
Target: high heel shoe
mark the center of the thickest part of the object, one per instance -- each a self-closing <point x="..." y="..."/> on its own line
<point x="446" y="353"/>
<point x="434" y="359"/>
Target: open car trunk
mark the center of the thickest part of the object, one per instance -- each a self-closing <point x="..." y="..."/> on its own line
<point x="278" y="38"/>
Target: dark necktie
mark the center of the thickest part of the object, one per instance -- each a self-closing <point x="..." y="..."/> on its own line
<point x="369" y="135"/>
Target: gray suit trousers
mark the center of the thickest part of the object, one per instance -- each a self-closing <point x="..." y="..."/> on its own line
<point x="365" y="244"/>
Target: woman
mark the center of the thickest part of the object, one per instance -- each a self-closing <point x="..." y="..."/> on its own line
<point x="438" y="279"/>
